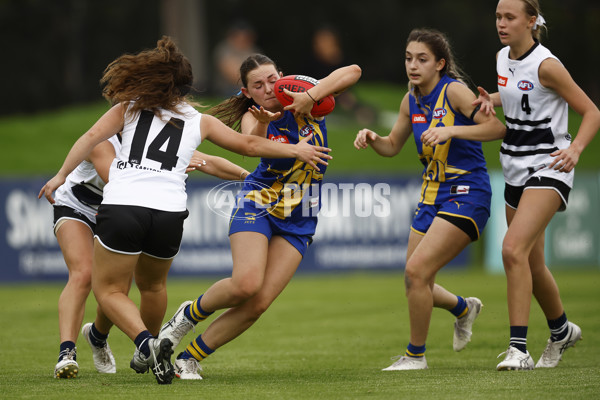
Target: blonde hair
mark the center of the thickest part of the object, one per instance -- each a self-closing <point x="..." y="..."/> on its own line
<point x="532" y="9"/>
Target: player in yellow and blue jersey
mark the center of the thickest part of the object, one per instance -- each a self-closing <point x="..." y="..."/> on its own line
<point x="455" y="195"/>
<point x="276" y="213"/>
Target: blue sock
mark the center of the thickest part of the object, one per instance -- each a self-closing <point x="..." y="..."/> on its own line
<point x="196" y="349"/>
<point x="141" y="342"/>
<point x="98" y="339"/>
<point x="67" y="347"/>
<point x="461" y="308"/>
<point x="195" y="313"/>
<point x="558" y="327"/>
<point x="415" y="351"/>
<point x="518" y="337"/>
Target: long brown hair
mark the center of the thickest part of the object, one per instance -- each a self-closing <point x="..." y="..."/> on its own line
<point x="439" y="45"/>
<point x="154" y="79"/>
<point x="231" y="111"/>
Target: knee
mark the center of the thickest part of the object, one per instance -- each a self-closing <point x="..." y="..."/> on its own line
<point x="82" y="279"/>
<point x="244" y="289"/>
<point x="256" y="309"/>
<point x="512" y="253"/>
<point x="414" y="277"/>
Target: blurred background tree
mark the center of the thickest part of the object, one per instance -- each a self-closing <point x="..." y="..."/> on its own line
<point x="54" y="52"/>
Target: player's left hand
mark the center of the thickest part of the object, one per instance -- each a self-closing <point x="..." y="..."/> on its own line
<point x="302" y="104"/>
<point x="435" y="136"/>
<point x="565" y="159"/>
<point x="264" y="116"/>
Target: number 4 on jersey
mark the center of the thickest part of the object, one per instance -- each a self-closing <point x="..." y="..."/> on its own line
<point x="525" y="104"/>
<point x="170" y="134"/>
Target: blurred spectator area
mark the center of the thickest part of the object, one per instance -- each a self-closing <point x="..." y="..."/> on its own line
<point x="55" y="51"/>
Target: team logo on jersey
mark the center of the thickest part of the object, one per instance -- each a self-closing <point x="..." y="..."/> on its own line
<point x="279" y="138"/>
<point x="459" y="189"/>
<point x="525" y="86"/>
<point x="439" y="113"/>
<point x="419" y="119"/>
<point x="502" y="80"/>
<point x="306" y="130"/>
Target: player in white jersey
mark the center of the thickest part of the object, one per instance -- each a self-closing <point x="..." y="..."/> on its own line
<point x="538" y="159"/>
<point x="140" y="220"/>
<point x="77" y="202"/>
<point x="75" y="208"/>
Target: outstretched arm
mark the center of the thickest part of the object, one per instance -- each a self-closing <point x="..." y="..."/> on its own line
<point x="254" y="146"/>
<point x="109" y="124"/>
<point x="388" y="146"/>
<point x="216" y="166"/>
<point x="334" y="84"/>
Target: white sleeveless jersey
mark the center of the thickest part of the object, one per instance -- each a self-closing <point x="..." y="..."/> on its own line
<point x="149" y="171"/>
<point x="536" y="119"/>
<point x="82" y="190"/>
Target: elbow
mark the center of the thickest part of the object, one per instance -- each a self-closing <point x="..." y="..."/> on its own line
<point x="252" y="147"/>
<point x="356" y="71"/>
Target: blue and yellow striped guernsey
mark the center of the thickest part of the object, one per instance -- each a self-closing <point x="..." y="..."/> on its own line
<point x="451" y="166"/>
<point x="289" y="189"/>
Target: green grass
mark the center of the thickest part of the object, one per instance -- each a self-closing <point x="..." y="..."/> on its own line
<point x="326" y="337"/>
<point x="37" y="144"/>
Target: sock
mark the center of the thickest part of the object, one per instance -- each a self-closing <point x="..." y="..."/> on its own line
<point x="518" y="337"/>
<point x="558" y="327"/>
<point x="195" y="313"/>
<point x="141" y="342"/>
<point x="66" y="347"/>
<point x="197" y="349"/>
<point x="415" y="351"/>
<point x="461" y="308"/>
<point x="96" y="338"/>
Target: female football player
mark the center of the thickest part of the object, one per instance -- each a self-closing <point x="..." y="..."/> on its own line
<point x="140" y="221"/>
<point x="276" y="215"/>
<point x="75" y="208"/>
<point x="538" y="160"/>
<point x="455" y="196"/>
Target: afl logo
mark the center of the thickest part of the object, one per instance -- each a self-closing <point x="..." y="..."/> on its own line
<point x="525" y="86"/>
<point x="306" y="130"/>
<point x="439" y="113"/>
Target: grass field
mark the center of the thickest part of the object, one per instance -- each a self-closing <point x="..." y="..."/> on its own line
<point x="326" y="337"/>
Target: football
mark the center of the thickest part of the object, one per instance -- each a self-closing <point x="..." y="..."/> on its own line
<point x="299" y="84"/>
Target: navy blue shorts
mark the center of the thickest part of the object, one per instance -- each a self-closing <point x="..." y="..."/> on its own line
<point x="471" y="218"/>
<point x="135" y="230"/>
<point x="249" y="218"/>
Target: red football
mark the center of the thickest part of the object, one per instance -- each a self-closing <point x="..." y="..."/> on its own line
<point x="299" y="84"/>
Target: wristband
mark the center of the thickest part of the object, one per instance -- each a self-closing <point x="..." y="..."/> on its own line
<point x="312" y="98"/>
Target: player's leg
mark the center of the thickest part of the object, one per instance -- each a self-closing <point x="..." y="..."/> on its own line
<point x="249" y="252"/>
<point x="442" y="242"/>
<point x="75" y="239"/>
<point x="151" y="280"/>
<point x="563" y="333"/>
<point x="526" y="224"/>
<point x="111" y="276"/>
<point x="282" y="261"/>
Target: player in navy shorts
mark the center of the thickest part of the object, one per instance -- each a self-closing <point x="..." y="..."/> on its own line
<point x="276" y="214"/>
<point x="455" y="196"/>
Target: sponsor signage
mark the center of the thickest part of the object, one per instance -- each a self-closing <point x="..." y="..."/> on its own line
<point x="363" y="224"/>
